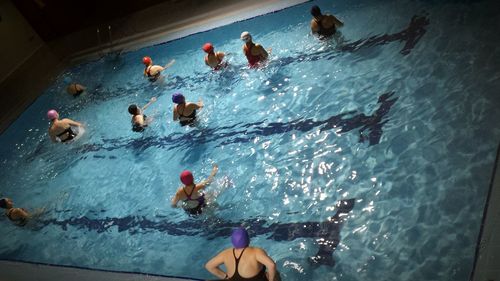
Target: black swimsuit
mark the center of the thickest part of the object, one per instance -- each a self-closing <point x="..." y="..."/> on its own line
<point x="261" y="276"/>
<point x="69" y="131"/>
<point x="152" y="78"/>
<point x="18" y="221"/>
<point x="189" y="119"/>
<point x="138" y="127"/>
<point x="201" y="203"/>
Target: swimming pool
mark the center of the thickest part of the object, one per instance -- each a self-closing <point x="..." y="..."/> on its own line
<point x="397" y="118"/>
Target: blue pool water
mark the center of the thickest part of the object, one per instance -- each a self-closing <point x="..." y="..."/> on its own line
<point x="397" y="118"/>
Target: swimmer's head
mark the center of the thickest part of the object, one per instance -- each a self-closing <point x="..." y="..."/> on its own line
<point x="133" y="109"/>
<point x="315" y="11"/>
<point x="240" y="238"/>
<point x="5" y="203"/>
<point x="67" y="80"/>
<point x="147" y="60"/>
<point x="178" y="98"/>
<point x="52" y="114"/>
<point x="208" y="48"/>
<point x="187" y="178"/>
<point x="246" y="37"/>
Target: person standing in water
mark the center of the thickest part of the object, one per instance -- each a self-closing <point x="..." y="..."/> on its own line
<point x="19" y="216"/>
<point x="62" y="130"/>
<point x="243" y="262"/>
<point x="191" y="193"/>
<point x="139" y="120"/>
<point x="324" y="25"/>
<point x="213" y="59"/>
<point x="184" y="111"/>
<point x="153" y="72"/>
<point x="254" y="53"/>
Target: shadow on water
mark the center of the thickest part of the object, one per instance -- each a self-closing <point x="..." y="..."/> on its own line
<point x="325" y="233"/>
<point x="369" y="128"/>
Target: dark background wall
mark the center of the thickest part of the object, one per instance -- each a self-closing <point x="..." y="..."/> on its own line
<point x="53" y="19"/>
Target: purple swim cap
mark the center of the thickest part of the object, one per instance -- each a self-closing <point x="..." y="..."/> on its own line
<point x="52" y="114"/>
<point x="178" y="98"/>
<point x="239" y="238"/>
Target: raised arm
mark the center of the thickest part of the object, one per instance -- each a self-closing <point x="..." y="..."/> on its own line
<point x="210" y="178"/>
<point x="213" y="266"/>
<point x="153" y="99"/>
<point x="264" y="259"/>
<point x="169" y="64"/>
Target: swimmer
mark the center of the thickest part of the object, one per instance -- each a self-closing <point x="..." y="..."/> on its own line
<point x="193" y="199"/>
<point x="153" y="72"/>
<point x="255" y="53"/>
<point x="243" y="262"/>
<point x="184" y="111"/>
<point x="324" y="25"/>
<point x="18" y="216"/>
<point x="75" y="89"/>
<point x="62" y="130"/>
<point x="139" y="120"/>
<point x="213" y="59"/>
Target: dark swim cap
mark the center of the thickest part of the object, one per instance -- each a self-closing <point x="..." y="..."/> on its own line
<point x="178" y="98"/>
<point x="240" y="238"/>
<point x="133" y="109"/>
<point x="315" y="11"/>
<point x="3" y="203"/>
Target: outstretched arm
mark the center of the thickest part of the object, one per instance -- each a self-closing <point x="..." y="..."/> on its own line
<point x="210" y="178"/>
<point x="213" y="266"/>
<point x="153" y="99"/>
<point x="169" y="64"/>
<point x="337" y="22"/>
<point x="73" y="123"/>
<point x="264" y="259"/>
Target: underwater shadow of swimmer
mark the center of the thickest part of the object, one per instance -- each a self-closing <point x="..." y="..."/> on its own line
<point x="410" y="35"/>
<point x="370" y="130"/>
<point x="326" y="233"/>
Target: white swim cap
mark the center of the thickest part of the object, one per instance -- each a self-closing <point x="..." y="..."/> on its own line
<point x="245" y="36"/>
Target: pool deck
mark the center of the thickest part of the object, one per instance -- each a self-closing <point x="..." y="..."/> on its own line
<point x="21" y="271"/>
<point x="487" y="262"/>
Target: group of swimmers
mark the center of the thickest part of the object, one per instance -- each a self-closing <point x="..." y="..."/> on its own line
<point x="241" y="261"/>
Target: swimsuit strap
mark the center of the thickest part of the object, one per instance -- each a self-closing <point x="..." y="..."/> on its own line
<point x="238" y="259"/>
<point x="148" y="70"/>
<point x="189" y="195"/>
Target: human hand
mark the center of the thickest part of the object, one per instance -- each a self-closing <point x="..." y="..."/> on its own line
<point x="153" y="99"/>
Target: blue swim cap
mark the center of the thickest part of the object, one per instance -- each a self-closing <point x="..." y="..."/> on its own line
<point x="67" y="80"/>
<point x="240" y="238"/>
<point x="178" y="98"/>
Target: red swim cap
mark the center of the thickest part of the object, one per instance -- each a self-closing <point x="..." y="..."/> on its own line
<point x="147" y="60"/>
<point x="187" y="178"/>
<point x="208" y="48"/>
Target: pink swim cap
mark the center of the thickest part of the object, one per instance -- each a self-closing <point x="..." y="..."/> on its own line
<point x="52" y="114"/>
<point x="187" y="178"/>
